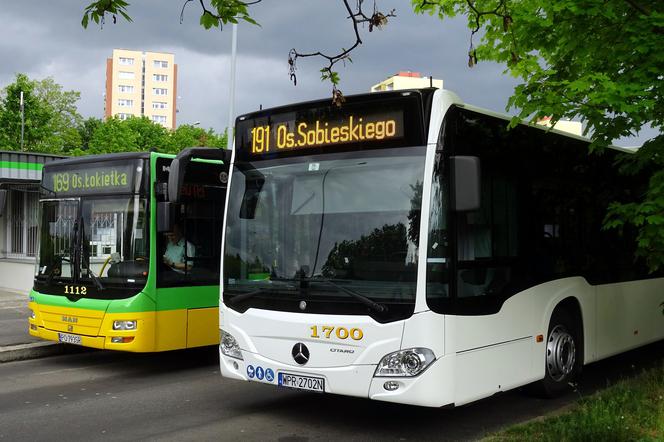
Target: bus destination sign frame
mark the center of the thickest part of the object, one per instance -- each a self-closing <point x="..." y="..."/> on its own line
<point x="81" y="179"/>
<point x="368" y="122"/>
<point x="293" y="134"/>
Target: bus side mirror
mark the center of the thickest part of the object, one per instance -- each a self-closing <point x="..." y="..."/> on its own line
<point x="175" y="180"/>
<point x="465" y="183"/>
<point x="3" y="199"/>
<point x="167" y="213"/>
<point x="179" y="166"/>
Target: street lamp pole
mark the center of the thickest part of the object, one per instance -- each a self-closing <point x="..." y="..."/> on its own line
<point x="22" y="120"/>
<point x="230" y="135"/>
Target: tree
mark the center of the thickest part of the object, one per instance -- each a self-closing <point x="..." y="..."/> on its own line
<point x="189" y="136"/>
<point x="113" y="135"/>
<point x="62" y="128"/>
<point x="36" y="115"/>
<point x="148" y="133"/>
<point x="141" y="134"/>
<point x="86" y="130"/>
<point x="597" y="60"/>
<point x="50" y="116"/>
<point x="134" y="134"/>
<point x="220" y="12"/>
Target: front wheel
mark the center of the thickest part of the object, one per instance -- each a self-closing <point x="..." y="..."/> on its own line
<point x="563" y="359"/>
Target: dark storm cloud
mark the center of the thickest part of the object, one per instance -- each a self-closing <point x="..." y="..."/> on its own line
<point x="45" y="38"/>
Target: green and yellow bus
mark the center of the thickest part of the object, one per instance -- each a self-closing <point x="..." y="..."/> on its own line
<point x="129" y="250"/>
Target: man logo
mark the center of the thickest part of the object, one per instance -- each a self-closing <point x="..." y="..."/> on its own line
<point x="70" y="328"/>
<point x="300" y="353"/>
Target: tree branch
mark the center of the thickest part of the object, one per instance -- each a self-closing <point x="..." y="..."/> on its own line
<point x="638" y="7"/>
<point x="376" y="19"/>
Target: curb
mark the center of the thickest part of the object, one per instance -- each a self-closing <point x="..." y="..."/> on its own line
<point x="36" y="350"/>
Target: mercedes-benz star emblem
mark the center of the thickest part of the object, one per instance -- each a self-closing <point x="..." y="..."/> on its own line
<point x="300" y="353"/>
<point x="303" y="305"/>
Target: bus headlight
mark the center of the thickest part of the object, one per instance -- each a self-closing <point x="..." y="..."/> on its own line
<point x="229" y="345"/>
<point x="405" y="363"/>
<point x="32" y="314"/>
<point x="125" y="325"/>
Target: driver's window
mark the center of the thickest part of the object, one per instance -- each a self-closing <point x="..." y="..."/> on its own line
<point x="178" y="251"/>
<point x="188" y="254"/>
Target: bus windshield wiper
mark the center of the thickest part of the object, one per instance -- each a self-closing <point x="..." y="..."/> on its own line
<point x="51" y="274"/>
<point x="95" y="279"/>
<point x="301" y="278"/>
<point x="74" y="255"/>
<point x="244" y="296"/>
<point x="376" y="306"/>
<point x="86" y="258"/>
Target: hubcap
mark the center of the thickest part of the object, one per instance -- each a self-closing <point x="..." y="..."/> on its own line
<point x="560" y="353"/>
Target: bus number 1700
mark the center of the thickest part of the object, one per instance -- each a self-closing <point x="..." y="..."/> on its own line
<point x="341" y="332"/>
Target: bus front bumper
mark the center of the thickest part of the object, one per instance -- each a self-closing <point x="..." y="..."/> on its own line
<point x="431" y="388"/>
<point x="51" y="326"/>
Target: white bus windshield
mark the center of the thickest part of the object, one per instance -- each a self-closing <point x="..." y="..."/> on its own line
<point x="353" y="219"/>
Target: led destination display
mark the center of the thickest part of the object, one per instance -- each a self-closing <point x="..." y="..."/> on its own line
<point x="66" y="181"/>
<point x="363" y="122"/>
<point x="303" y="134"/>
<point x="81" y="179"/>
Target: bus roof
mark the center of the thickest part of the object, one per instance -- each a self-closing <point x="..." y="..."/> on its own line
<point x="328" y="101"/>
<point x="451" y="96"/>
<point x="102" y="157"/>
<point x="507" y="117"/>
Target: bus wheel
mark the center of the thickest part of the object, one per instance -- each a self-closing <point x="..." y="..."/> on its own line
<point x="562" y="354"/>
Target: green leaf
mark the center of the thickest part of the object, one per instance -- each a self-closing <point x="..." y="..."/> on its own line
<point x="208" y="21"/>
<point x="125" y="15"/>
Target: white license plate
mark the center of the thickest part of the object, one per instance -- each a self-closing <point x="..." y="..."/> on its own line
<point x="69" y="339"/>
<point x="301" y="382"/>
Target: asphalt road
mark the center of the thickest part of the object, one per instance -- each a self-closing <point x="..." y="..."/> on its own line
<point x="181" y="396"/>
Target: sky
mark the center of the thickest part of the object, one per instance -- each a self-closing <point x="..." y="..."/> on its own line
<point x="44" y="38"/>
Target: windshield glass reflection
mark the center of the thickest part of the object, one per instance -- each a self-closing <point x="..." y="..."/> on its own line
<point x="293" y="228"/>
<point x="101" y="243"/>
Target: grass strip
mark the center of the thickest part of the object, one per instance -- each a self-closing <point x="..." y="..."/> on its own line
<point x="630" y="410"/>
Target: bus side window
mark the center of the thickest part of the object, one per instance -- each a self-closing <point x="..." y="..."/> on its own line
<point x="487" y="240"/>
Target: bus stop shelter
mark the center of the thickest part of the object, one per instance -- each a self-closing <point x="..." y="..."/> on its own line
<point x="20" y="175"/>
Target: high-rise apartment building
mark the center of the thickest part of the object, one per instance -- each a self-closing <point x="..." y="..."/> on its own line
<point x="406" y="80"/>
<point x="141" y="84"/>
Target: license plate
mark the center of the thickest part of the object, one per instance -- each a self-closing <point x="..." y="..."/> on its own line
<point x="301" y="382"/>
<point x="69" y="339"/>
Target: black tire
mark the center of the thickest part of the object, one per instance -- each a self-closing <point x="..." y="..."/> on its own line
<point x="562" y="359"/>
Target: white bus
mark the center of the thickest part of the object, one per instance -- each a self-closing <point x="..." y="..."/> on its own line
<point x="407" y="247"/>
